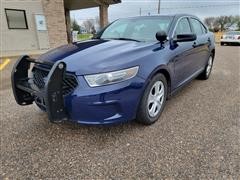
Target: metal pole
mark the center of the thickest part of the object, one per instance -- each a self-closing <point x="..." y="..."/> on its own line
<point x="159" y="2"/>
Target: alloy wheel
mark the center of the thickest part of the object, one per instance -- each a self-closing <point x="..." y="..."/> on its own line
<point x="155" y="99"/>
<point x="209" y="66"/>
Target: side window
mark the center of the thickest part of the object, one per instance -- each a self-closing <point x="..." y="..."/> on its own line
<point x="197" y="27"/>
<point x="183" y="27"/>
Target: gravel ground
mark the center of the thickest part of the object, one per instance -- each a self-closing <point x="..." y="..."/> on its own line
<point x="197" y="136"/>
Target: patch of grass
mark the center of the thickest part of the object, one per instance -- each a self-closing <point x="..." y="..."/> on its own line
<point x="82" y="37"/>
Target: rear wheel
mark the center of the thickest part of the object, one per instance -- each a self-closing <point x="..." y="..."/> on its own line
<point x="221" y="43"/>
<point x="208" y="69"/>
<point x="153" y="100"/>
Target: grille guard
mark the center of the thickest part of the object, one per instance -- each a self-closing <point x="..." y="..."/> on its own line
<point x="52" y="94"/>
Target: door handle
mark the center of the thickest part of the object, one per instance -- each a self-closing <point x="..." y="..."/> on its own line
<point x="209" y="42"/>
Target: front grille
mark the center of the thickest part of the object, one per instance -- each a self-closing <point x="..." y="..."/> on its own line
<point x="40" y="77"/>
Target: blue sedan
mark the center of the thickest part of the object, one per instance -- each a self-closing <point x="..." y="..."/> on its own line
<point x="126" y="71"/>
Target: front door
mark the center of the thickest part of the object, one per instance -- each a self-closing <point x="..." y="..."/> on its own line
<point x="184" y="54"/>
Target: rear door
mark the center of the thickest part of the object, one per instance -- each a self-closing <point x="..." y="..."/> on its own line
<point x="201" y="45"/>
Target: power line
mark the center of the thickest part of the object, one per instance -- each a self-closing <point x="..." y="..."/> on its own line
<point x="202" y="6"/>
<point x="142" y="11"/>
<point x="159" y="2"/>
<point x="193" y="7"/>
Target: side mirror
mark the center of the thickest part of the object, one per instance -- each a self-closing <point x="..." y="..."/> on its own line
<point x="161" y="36"/>
<point x="185" y="38"/>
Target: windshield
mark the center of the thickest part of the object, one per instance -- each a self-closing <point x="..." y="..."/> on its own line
<point x="139" y="29"/>
<point x="233" y="33"/>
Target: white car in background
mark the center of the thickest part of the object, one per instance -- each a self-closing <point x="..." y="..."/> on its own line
<point x="231" y="37"/>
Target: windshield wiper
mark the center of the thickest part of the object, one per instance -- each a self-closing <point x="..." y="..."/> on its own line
<point x="125" y="39"/>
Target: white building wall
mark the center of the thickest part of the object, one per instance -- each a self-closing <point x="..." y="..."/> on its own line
<point x="20" y="39"/>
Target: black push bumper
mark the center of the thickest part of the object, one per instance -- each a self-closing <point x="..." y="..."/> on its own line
<point x="25" y="92"/>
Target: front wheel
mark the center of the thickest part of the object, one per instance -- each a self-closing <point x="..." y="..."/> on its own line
<point x="41" y="107"/>
<point x="153" y="100"/>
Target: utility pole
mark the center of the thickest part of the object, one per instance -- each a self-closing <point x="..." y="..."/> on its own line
<point x="159" y="3"/>
<point x="140" y="11"/>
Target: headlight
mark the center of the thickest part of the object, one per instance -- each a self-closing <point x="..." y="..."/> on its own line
<point x="111" y="77"/>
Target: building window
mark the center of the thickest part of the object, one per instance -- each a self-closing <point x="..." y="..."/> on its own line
<point x="16" y="19"/>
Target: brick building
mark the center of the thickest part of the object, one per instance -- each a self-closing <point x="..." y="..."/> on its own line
<point x="42" y="24"/>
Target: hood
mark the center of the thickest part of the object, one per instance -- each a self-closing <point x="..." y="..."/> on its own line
<point x="96" y="56"/>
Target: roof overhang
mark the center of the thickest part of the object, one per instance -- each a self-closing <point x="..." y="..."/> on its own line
<point x="82" y="4"/>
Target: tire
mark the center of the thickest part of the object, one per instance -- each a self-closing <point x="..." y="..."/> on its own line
<point x="221" y="43"/>
<point x="208" y="69"/>
<point x="152" y="103"/>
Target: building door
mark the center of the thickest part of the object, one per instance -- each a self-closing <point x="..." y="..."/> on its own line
<point x="42" y="33"/>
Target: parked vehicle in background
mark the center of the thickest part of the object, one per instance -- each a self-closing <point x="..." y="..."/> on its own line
<point x="231" y="37"/>
<point x="127" y="71"/>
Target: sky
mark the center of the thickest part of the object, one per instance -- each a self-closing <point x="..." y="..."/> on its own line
<point x="129" y="8"/>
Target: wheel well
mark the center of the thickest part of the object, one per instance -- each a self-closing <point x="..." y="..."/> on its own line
<point x="168" y="78"/>
<point x="213" y="53"/>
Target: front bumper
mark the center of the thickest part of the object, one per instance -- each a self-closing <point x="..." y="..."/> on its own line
<point x="25" y="92"/>
<point x="106" y="104"/>
<point x="100" y="105"/>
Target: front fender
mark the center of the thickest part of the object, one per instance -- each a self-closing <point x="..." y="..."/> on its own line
<point x="152" y="66"/>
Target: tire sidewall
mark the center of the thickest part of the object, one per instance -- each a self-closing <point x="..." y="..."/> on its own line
<point x="143" y="115"/>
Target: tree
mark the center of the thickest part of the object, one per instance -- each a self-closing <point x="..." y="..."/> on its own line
<point x="237" y="21"/>
<point x="97" y="21"/>
<point x="209" y="21"/>
<point x="238" y="25"/>
<point x="75" y="26"/>
<point x="222" y="21"/>
<point x="93" y="30"/>
<point x="88" y="24"/>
